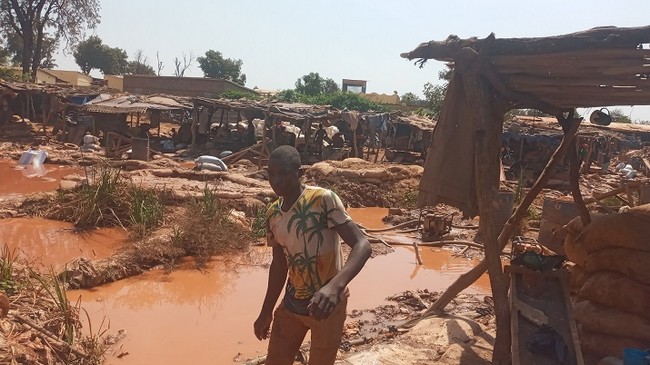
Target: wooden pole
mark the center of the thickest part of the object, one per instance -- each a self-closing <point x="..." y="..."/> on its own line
<point x="468" y="278"/>
<point x="574" y="171"/>
<point x="488" y="123"/>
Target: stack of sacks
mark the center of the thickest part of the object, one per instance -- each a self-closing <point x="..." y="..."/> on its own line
<point x="612" y="279"/>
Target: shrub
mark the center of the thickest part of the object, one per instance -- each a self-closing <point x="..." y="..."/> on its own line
<point x="207" y="229"/>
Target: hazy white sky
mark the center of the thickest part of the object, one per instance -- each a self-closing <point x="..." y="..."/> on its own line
<point x="281" y="40"/>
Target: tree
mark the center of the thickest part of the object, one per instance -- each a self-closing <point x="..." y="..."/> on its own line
<point x="140" y="65"/>
<point x="435" y="94"/>
<point x="89" y="54"/>
<point x="410" y="98"/>
<point x="180" y="68"/>
<point x="313" y="84"/>
<point x="33" y="20"/>
<point x="14" y="49"/>
<point x="214" y="65"/>
<point x="618" y="116"/>
<point x="159" y="63"/>
<point x="92" y="53"/>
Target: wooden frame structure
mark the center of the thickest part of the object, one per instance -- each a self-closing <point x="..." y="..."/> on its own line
<point x="601" y="66"/>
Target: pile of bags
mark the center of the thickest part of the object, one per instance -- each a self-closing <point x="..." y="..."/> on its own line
<point x="612" y="280"/>
<point x="362" y="171"/>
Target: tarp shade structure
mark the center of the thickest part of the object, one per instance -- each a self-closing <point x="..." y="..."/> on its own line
<point x="132" y="104"/>
<point x="601" y="66"/>
<point x="449" y="169"/>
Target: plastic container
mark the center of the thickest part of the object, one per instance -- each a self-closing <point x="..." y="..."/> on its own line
<point x="211" y="160"/>
<point x="32" y="157"/>
<point x="635" y="357"/>
<point x="209" y="166"/>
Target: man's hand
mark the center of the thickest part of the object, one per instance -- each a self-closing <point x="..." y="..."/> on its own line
<point x="262" y="326"/>
<point x="324" y="301"/>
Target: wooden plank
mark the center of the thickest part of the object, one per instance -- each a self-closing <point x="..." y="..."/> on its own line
<point x="552" y="62"/>
<point x="514" y="320"/>
<point x="612" y="70"/>
<point x="596" y="38"/>
<point x="597" y="54"/>
<point x="525" y="80"/>
<point x="575" y="339"/>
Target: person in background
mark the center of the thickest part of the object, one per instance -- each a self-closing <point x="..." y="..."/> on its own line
<point x="303" y="228"/>
<point x="89" y="142"/>
<point x="338" y="140"/>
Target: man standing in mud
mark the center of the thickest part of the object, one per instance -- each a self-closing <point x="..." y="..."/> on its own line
<point x="303" y="228"/>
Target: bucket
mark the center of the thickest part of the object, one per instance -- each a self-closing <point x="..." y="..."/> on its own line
<point x="555" y="214"/>
<point x="501" y="212"/>
<point x="140" y="149"/>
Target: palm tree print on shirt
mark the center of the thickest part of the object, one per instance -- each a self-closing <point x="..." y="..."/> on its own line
<point x="310" y="217"/>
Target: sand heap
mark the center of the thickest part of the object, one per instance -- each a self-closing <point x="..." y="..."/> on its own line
<point x="612" y="256"/>
<point x="362" y="171"/>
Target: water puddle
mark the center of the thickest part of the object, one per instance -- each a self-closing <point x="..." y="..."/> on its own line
<point x="46" y="242"/>
<point x="188" y="316"/>
<point x="203" y="317"/>
<point x="18" y="180"/>
<point x="369" y="217"/>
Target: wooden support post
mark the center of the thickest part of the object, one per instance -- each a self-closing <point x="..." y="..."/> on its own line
<point x="468" y="278"/>
<point x="488" y="124"/>
<point x="574" y="170"/>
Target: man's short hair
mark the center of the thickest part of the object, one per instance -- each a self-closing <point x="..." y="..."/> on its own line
<point x="288" y="155"/>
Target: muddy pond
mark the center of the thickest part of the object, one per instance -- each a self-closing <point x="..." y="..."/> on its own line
<point x="201" y="317"/>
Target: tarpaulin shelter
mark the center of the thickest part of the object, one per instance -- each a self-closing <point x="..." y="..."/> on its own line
<point x="601" y="66"/>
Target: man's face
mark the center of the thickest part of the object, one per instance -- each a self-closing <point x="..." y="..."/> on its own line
<point x="283" y="179"/>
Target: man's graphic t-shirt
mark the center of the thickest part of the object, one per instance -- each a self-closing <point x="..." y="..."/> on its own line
<point x="310" y="243"/>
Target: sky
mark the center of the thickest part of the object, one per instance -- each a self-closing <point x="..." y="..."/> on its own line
<point x="282" y="40"/>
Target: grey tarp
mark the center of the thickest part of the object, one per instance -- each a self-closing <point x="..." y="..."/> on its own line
<point x="449" y="174"/>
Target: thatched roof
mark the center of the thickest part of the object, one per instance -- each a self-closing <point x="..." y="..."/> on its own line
<point x="601" y="66"/>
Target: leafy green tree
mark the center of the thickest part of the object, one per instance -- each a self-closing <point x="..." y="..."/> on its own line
<point x="35" y="20"/>
<point x="618" y="116"/>
<point x="330" y="86"/>
<point x="214" y="65"/>
<point x="89" y="54"/>
<point x="313" y="84"/>
<point x="14" y="49"/>
<point x="115" y="61"/>
<point x="435" y="94"/>
<point x="410" y="98"/>
<point x="140" y="65"/>
<point x="92" y="53"/>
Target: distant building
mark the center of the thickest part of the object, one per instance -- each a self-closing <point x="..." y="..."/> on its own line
<point x="382" y="98"/>
<point x="74" y="78"/>
<point x="354" y="86"/>
<point x="115" y="82"/>
<point x="58" y="77"/>
<point x="180" y="86"/>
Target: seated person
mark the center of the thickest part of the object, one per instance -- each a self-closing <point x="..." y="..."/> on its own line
<point x="90" y="142"/>
<point x="338" y="140"/>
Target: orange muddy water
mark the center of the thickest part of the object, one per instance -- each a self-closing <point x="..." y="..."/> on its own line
<point x="18" y="180"/>
<point x="48" y="243"/>
<point x="189" y="316"/>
